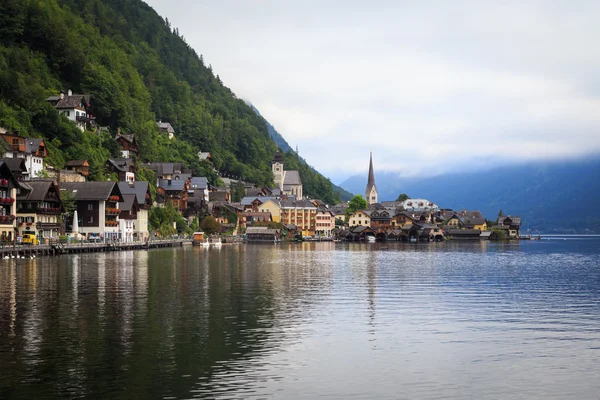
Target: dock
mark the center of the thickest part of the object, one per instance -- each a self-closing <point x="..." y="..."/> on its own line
<point x="55" y="249"/>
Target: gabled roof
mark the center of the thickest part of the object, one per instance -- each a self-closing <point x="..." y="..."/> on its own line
<point x="77" y="163"/>
<point x="128" y="137"/>
<point x="38" y="191"/>
<point x="139" y="188"/>
<point x="198" y="182"/>
<point x="171" y="185"/>
<point x="7" y="173"/>
<point x="89" y="190"/>
<point x="16" y="164"/>
<point x="129" y="203"/>
<point x="72" y="101"/>
<point x="165" y="126"/>
<point x="33" y="144"/>
<point x="292" y="178"/>
<point x="121" y="164"/>
<point x="248" y="200"/>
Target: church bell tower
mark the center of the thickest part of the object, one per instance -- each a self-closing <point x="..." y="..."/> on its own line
<point x="371" y="191"/>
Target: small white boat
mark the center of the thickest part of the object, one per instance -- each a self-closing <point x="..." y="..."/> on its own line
<point x="371" y="239"/>
<point x="216" y="243"/>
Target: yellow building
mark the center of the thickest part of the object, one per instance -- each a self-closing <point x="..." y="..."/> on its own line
<point x="273" y="207"/>
<point x="301" y="213"/>
<point x="360" y="218"/>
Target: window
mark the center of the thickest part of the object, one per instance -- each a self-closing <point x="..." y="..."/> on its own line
<point x="90" y="207"/>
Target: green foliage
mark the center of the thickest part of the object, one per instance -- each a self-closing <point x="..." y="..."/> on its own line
<point x="237" y="192"/>
<point x="403" y="197"/>
<point x="210" y="226"/>
<point x="68" y="201"/>
<point x="161" y="220"/>
<point x="137" y="70"/>
<point x="500" y="234"/>
<point x="356" y="203"/>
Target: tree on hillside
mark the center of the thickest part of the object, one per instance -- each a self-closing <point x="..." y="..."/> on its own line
<point x="403" y="197"/>
<point x="210" y="226"/>
<point x="356" y="203"/>
<point x="238" y="191"/>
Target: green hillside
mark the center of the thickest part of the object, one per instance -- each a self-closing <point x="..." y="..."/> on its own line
<point x="138" y="70"/>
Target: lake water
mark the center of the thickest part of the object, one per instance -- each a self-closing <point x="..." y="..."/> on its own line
<point x="305" y="321"/>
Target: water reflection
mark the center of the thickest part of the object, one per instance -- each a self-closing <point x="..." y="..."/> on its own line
<point x="450" y="320"/>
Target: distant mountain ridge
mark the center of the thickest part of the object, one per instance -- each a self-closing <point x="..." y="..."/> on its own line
<point x="550" y="196"/>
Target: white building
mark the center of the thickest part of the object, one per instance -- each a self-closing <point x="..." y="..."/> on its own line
<point x="74" y="107"/>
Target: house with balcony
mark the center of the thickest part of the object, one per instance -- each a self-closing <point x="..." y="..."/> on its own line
<point x="123" y="167"/>
<point x="129" y="210"/>
<point x="127" y="145"/>
<point x="324" y="222"/>
<point x="40" y="209"/>
<point x="174" y="191"/>
<point x="97" y="205"/>
<point x="136" y="213"/>
<point x="9" y="185"/>
<point x="76" y="107"/>
<point x="32" y="150"/>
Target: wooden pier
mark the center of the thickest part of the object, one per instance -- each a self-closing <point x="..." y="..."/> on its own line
<point x="55" y="249"/>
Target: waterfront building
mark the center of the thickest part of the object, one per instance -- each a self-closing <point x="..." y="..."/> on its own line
<point x="8" y="207"/>
<point x="360" y="218"/>
<point x="97" y="205"/>
<point x="39" y="210"/>
<point x="139" y="216"/>
<point x="301" y="213"/>
<point x="371" y="191"/>
<point x="324" y="222"/>
<point x="511" y="224"/>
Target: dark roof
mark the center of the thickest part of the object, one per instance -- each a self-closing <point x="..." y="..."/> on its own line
<point x="89" y="190"/>
<point x="473" y="221"/>
<point x="129" y="137"/>
<point x="198" y="182"/>
<point x="39" y="190"/>
<point x="73" y="101"/>
<point x="7" y="173"/>
<point x="167" y="168"/>
<point x="139" y="188"/>
<point x="261" y="230"/>
<point x="171" y="185"/>
<point x="217" y="196"/>
<point x="277" y="157"/>
<point x="33" y="144"/>
<point x="121" y="164"/>
<point x="128" y="202"/>
<point x="289" y="203"/>
<point x="255" y="192"/>
<point x="371" y="180"/>
<point x="248" y="200"/>
<point x="463" y="232"/>
<point x="15" y="164"/>
<point x="76" y="163"/>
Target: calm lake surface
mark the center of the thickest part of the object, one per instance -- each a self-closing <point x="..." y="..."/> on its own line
<point x="305" y="321"/>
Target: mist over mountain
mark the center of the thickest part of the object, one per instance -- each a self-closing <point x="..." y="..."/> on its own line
<point x="560" y="196"/>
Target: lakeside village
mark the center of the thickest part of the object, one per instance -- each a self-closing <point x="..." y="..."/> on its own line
<point x="40" y="204"/>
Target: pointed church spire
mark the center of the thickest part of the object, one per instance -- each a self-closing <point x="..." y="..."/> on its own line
<point x="371" y="192"/>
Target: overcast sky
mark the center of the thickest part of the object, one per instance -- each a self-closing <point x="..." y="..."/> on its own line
<point x="429" y="86"/>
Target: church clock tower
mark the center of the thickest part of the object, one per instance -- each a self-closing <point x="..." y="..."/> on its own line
<point x="277" y="168"/>
<point x="371" y="192"/>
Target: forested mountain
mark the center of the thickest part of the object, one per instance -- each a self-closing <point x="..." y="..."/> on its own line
<point x="550" y="196"/>
<point x="309" y="175"/>
<point x="138" y="70"/>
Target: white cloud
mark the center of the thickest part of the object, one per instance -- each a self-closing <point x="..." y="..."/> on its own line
<point x="427" y="86"/>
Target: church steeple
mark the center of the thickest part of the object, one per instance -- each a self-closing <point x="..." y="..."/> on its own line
<point x="371" y="192"/>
